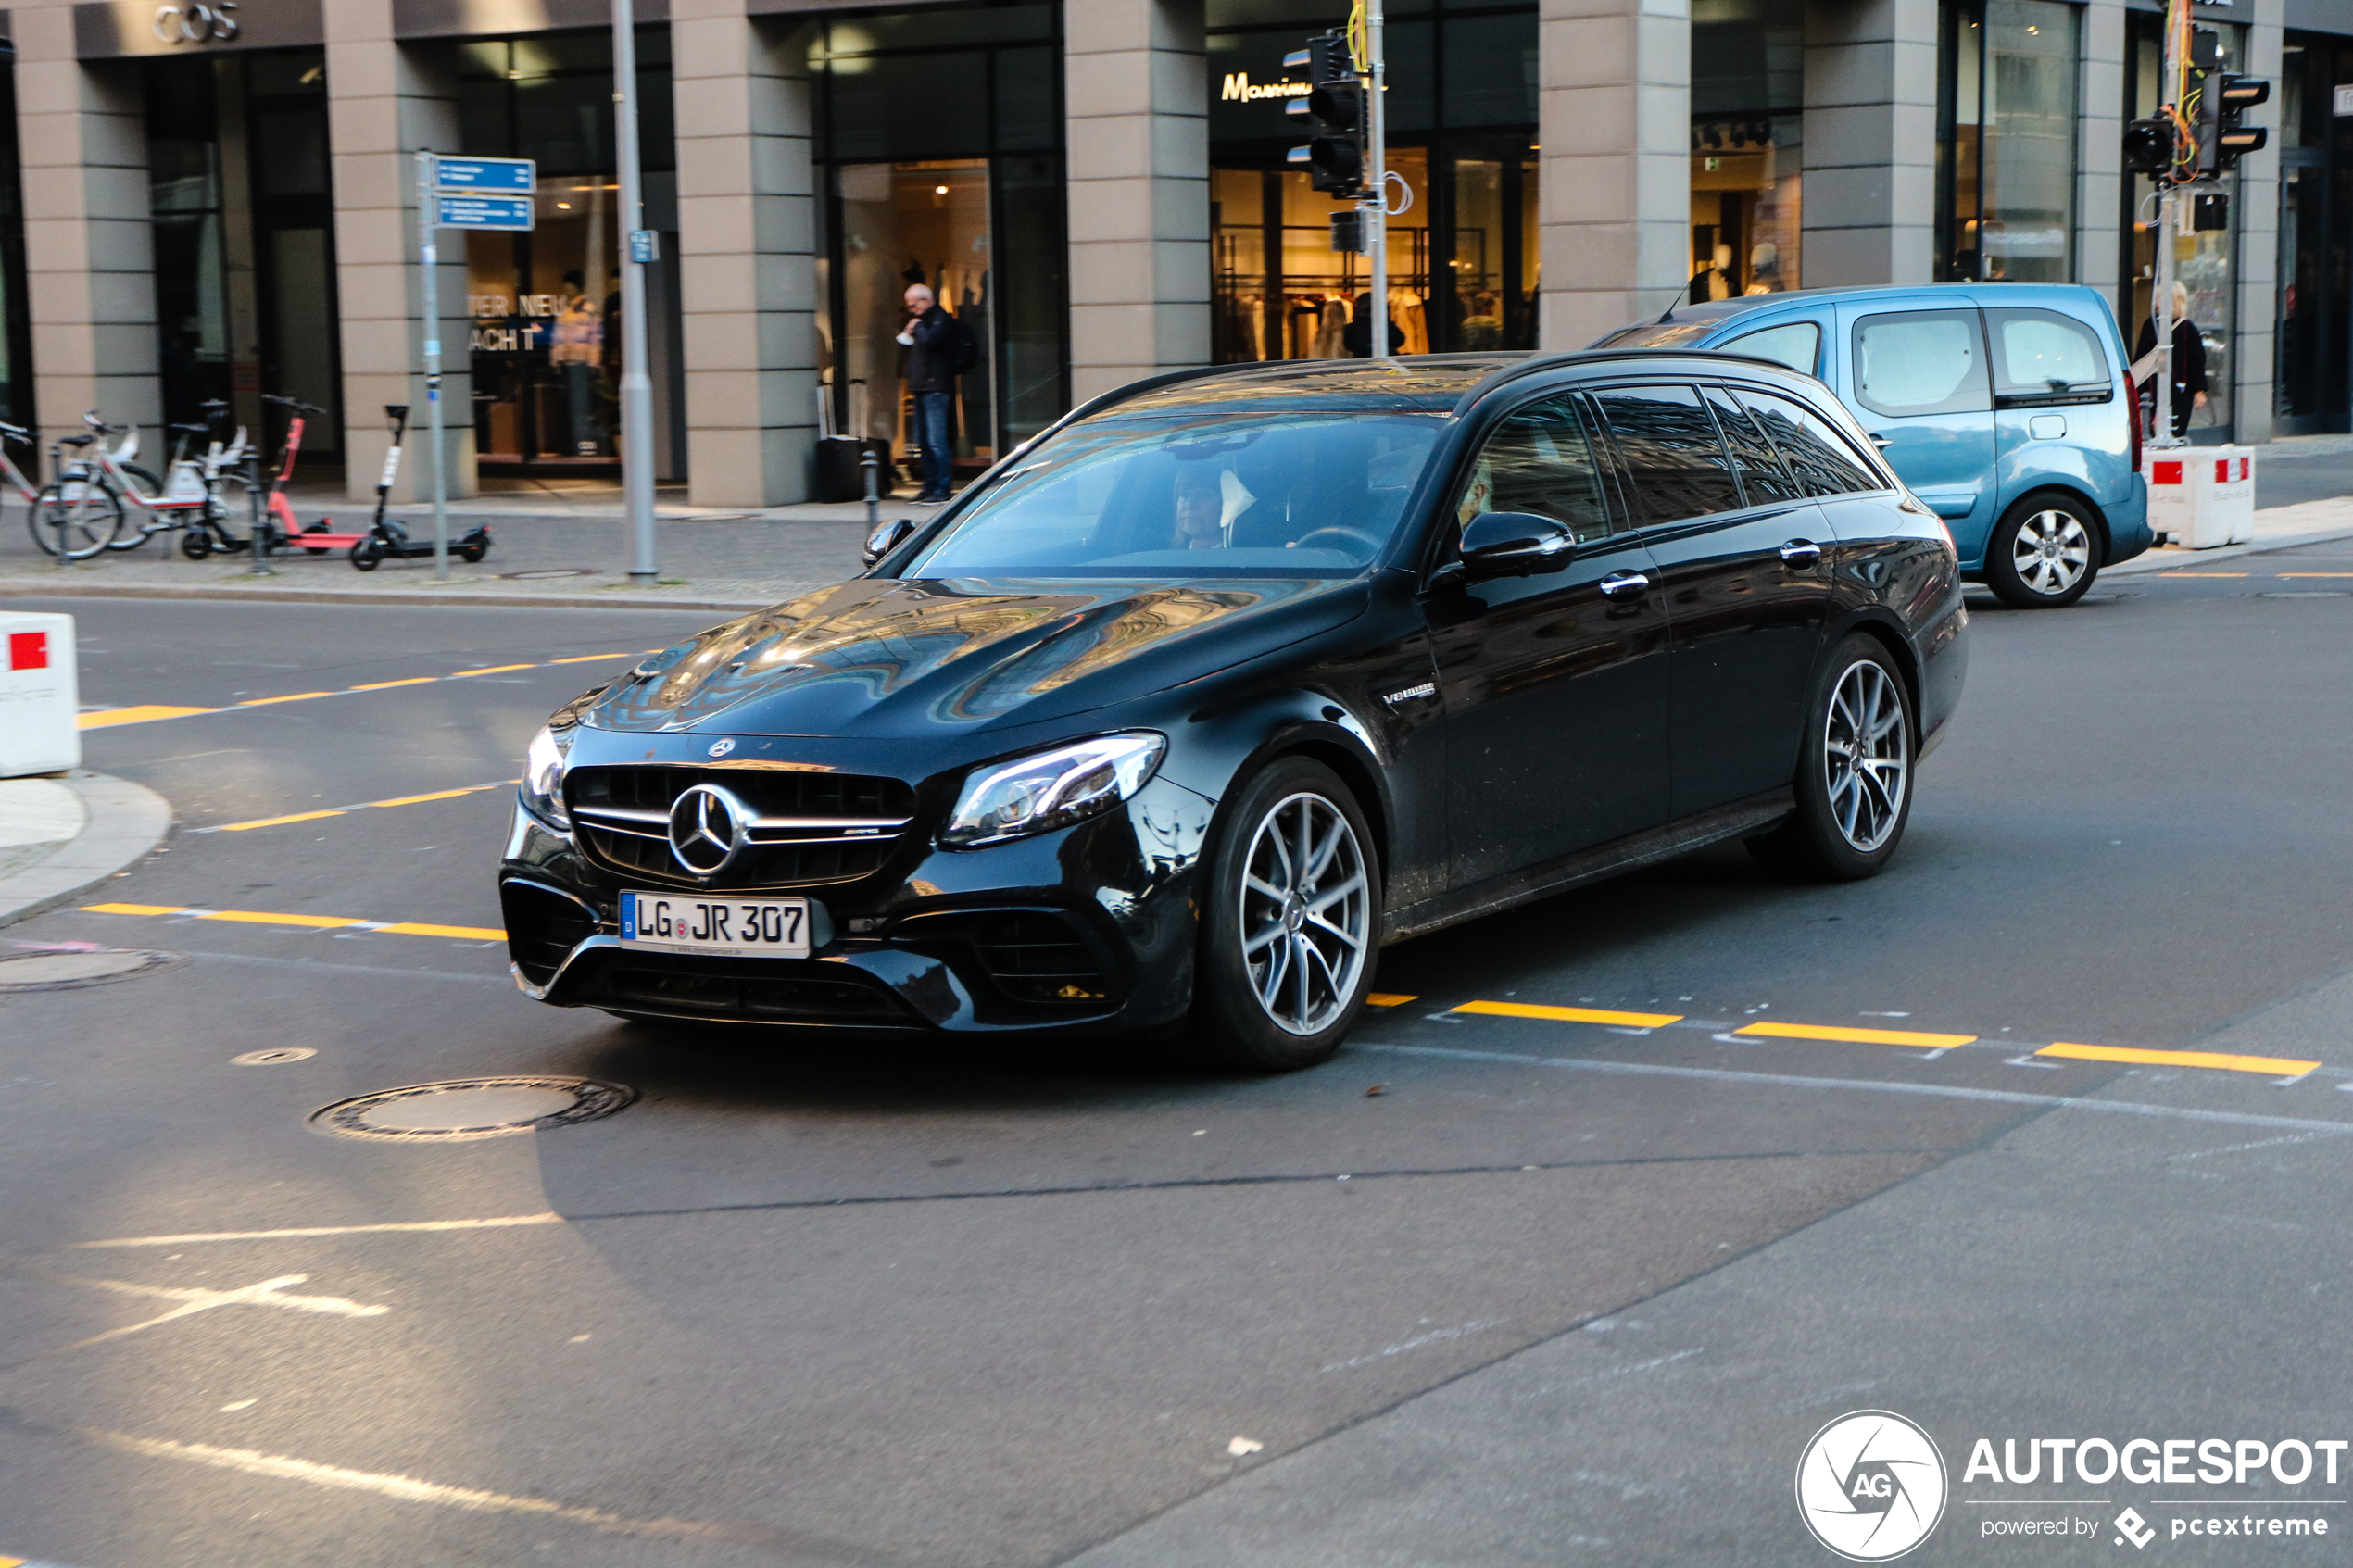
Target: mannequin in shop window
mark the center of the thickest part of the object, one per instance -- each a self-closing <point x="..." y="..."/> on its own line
<point x="1714" y="280"/>
<point x="1764" y="269"/>
<point x="577" y="347"/>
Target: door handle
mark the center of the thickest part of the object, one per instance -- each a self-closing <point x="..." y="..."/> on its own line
<point x="1624" y="585"/>
<point x="1882" y="442"/>
<point x="1803" y="554"/>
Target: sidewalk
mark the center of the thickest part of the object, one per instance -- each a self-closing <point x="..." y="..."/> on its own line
<point x="61" y="836"/>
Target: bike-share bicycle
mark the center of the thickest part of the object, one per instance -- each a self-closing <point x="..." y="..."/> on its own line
<point x="82" y="512"/>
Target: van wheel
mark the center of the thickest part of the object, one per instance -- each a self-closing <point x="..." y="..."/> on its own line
<point x="2044" y="553"/>
<point x="1854" y="773"/>
<point x="1291" y="926"/>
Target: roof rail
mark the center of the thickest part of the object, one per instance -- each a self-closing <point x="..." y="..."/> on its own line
<point x="1581" y="356"/>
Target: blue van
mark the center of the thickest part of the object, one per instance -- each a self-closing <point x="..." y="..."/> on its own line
<point x="2005" y="407"/>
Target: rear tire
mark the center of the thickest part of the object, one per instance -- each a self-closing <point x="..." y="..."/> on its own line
<point x="367" y="553"/>
<point x="81" y="528"/>
<point x="1290" y="927"/>
<point x="1854" y="772"/>
<point x="2045" y="552"/>
<point x="196" y="544"/>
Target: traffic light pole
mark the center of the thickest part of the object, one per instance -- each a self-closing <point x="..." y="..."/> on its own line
<point x="637" y="379"/>
<point x="1376" y="207"/>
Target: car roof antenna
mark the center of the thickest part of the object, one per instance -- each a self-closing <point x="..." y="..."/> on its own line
<point x="1668" y="314"/>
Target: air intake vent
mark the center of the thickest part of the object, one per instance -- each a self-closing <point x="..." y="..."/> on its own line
<point x="806" y="827"/>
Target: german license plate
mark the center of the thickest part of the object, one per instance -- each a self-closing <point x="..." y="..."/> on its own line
<point x="673" y="922"/>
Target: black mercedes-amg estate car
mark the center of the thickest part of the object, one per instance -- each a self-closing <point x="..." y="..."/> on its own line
<point x="1230" y="678"/>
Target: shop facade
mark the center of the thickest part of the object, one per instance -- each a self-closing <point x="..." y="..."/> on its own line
<point x="216" y="201"/>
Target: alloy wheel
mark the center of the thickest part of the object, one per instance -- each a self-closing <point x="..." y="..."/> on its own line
<point x="2051" y="552"/>
<point x="1306" y="910"/>
<point x="1866" y="755"/>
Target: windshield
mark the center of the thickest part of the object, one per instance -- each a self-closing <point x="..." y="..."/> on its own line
<point x="1196" y="494"/>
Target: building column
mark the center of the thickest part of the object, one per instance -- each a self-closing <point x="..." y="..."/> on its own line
<point x="2099" y="146"/>
<point x="746" y="243"/>
<point x="383" y="101"/>
<point x="1870" y="143"/>
<point x="1614" y="127"/>
<point x="2255" y="337"/>
<point x="1136" y="97"/>
<point x="88" y="240"/>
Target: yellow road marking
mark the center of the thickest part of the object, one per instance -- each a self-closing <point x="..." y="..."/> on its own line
<point x="140" y="715"/>
<point x="547" y="1217"/>
<point x="362" y="805"/>
<point x="1852" y="1036"/>
<point x="438" y="795"/>
<point x="147" y="713"/>
<point x="254" y="917"/>
<point x="293" y="696"/>
<point x="323" y="922"/>
<point x="2270" y="1066"/>
<point x="1372" y="998"/>
<point x="462" y="933"/>
<point x="273" y="821"/>
<point x="1572" y="1015"/>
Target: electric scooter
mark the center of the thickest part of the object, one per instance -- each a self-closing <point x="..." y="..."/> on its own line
<point x="386" y="536"/>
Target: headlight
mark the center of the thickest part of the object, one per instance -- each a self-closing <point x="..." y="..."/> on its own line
<point x="543" y="777"/>
<point x="1050" y="789"/>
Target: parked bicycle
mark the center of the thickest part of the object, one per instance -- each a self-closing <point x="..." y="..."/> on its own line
<point x="83" y="509"/>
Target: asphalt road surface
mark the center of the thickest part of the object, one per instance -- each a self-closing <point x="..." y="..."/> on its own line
<point x="1571" y="1287"/>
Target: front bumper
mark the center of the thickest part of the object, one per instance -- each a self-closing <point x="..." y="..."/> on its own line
<point x="1088" y="930"/>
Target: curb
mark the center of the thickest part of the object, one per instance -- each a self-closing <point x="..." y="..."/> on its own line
<point x="125" y="822"/>
<point x="2169" y="559"/>
<point x="405" y="598"/>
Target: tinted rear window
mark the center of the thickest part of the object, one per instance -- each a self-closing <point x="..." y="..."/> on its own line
<point x="1674" y="461"/>
<point x="1820" y="457"/>
<point x="1910" y="362"/>
<point x="2044" y="354"/>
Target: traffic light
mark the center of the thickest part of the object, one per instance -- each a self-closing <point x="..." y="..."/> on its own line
<point x="2233" y="139"/>
<point x="1333" y="110"/>
<point x="2148" y="147"/>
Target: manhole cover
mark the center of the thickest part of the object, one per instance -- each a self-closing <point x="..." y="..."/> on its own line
<point x="541" y="573"/>
<point x="472" y="1108"/>
<point x="2306" y="593"/>
<point x="69" y="970"/>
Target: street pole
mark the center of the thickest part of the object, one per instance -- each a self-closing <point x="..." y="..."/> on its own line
<point x="427" y="230"/>
<point x="1376" y="207"/>
<point x="637" y="384"/>
<point x="2161" y="279"/>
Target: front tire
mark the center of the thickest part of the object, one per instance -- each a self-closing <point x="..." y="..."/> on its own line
<point x="2045" y="552"/>
<point x="1854" y="772"/>
<point x="1291" y="922"/>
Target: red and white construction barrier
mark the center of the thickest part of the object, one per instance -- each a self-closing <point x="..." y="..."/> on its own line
<point x="2201" y="496"/>
<point x="40" y="701"/>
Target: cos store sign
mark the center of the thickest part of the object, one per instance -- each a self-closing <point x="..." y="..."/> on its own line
<point x="197" y="24"/>
<point x="109" y="29"/>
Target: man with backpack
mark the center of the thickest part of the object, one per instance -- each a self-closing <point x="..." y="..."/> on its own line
<point x="939" y="348"/>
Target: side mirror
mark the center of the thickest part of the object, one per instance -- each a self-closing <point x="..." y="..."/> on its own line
<point x="886" y="538"/>
<point x="1514" y="545"/>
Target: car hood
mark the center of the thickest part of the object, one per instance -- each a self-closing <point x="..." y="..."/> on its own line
<point x="877" y="658"/>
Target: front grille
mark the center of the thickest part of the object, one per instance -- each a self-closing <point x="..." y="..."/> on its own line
<point x="766" y="997"/>
<point x="807" y="827"/>
<point x="542" y="928"/>
<point x="1031" y="955"/>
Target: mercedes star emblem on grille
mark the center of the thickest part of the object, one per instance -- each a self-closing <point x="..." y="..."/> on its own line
<point x="707" y="828"/>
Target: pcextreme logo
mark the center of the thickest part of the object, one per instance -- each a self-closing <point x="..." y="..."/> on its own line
<point x="1870" y="1486"/>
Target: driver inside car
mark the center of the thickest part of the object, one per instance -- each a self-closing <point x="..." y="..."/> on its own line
<point x="1200" y="511"/>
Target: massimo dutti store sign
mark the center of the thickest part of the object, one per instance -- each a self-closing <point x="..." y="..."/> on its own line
<point x="114" y="30"/>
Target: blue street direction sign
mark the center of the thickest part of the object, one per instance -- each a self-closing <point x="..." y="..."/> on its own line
<point x="483" y="212"/>
<point x="485" y="174"/>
